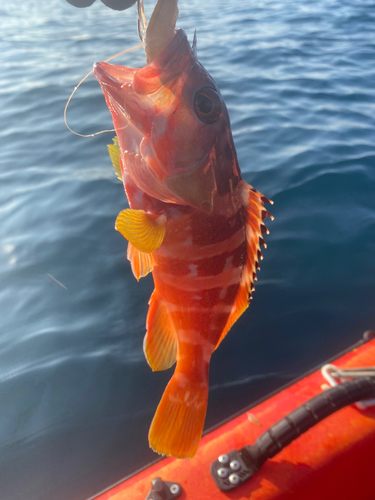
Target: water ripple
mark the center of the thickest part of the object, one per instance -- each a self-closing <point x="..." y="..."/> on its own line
<point x="75" y="391"/>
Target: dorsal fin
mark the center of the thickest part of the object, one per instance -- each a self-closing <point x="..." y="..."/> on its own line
<point x="160" y="342"/>
<point x="255" y="213"/>
<point x="141" y="263"/>
<point x="114" y="153"/>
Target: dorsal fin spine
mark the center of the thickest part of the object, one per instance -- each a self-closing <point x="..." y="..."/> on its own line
<point x="254" y="214"/>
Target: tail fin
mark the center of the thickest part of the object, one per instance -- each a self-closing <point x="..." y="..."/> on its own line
<point x="179" y="419"/>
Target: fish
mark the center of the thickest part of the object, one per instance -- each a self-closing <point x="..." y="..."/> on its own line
<point x="193" y="222"/>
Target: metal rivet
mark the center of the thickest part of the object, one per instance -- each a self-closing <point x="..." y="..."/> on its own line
<point x="222" y="472"/>
<point x="174" y="489"/>
<point x="235" y="465"/>
<point x="234" y="478"/>
<point x="223" y="459"/>
<point x="157" y="484"/>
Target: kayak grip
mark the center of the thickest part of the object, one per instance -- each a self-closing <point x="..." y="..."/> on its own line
<point x="232" y="469"/>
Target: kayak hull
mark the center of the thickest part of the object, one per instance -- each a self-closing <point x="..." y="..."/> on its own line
<point x="334" y="459"/>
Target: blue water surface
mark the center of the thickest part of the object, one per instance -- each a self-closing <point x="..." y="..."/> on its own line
<point x="76" y="394"/>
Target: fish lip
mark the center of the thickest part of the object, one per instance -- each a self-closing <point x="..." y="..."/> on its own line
<point x="105" y="78"/>
<point x="117" y="85"/>
<point x="99" y="72"/>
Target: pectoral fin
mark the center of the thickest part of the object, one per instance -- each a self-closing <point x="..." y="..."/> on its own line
<point x="143" y="230"/>
<point x="114" y="153"/>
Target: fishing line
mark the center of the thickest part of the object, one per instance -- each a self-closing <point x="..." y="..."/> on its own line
<point x="74" y="91"/>
<point x="142" y="23"/>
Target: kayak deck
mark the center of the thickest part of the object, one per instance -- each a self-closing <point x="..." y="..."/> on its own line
<point x="334" y="459"/>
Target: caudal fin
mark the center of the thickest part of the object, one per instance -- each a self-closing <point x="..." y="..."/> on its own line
<point x="179" y="419"/>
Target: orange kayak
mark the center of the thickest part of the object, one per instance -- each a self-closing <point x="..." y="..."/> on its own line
<point x="334" y="459"/>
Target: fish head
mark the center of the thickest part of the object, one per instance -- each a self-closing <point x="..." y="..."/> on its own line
<point x="172" y="125"/>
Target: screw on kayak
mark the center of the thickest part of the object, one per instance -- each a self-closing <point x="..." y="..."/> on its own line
<point x="234" y="479"/>
<point x="235" y="465"/>
<point x="223" y="459"/>
<point x="163" y="490"/>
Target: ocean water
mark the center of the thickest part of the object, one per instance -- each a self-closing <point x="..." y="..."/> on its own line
<point x="76" y="394"/>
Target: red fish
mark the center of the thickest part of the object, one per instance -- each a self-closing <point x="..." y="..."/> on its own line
<point x="193" y="221"/>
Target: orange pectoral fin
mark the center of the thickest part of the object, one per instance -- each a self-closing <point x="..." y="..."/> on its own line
<point x="160" y="342"/>
<point x="255" y="213"/>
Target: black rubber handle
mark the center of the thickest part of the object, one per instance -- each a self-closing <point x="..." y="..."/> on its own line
<point x="306" y="416"/>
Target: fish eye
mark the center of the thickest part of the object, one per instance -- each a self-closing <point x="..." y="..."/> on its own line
<point x="207" y="104"/>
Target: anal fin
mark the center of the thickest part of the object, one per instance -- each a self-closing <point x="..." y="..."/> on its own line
<point x="255" y="213"/>
<point x="160" y="342"/>
<point x="141" y="263"/>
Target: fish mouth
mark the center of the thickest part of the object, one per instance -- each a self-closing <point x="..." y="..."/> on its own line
<point x="138" y="93"/>
<point x="129" y="110"/>
<point x="115" y="81"/>
<point x="112" y="74"/>
<point x="168" y="64"/>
